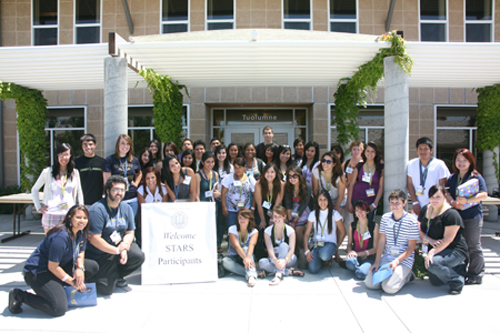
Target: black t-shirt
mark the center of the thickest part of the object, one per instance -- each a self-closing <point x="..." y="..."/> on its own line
<point x="438" y="225"/>
<point x="118" y="167"/>
<point x="91" y="177"/>
<point x="261" y="151"/>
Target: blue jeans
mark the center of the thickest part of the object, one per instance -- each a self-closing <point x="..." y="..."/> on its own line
<point x="231" y="218"/>
<point x="135" y="206"/>
<point x="320" y="254"/>
<point x="359" y="267"/>
<point x="442" y="271"/>
<point x="234" y="264"/>
<point x="220" y="223"/>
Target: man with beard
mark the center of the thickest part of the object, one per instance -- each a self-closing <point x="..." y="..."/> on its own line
<point x="111" y="237"/>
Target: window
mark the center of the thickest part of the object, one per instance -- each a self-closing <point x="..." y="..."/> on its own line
<point x="433" y="21"/>
<point x="141" y="125"/>
<point x="45" y="23"/>
<point x="370" y="122"/>
<point x="478" y="20"/>
<point x="343" y="16"/>
<point x="64" y="125"/>
<point x="456" y="128"/>
<point x="87" y="21"/>
<point x="220" y="14"/>
<point x="175" y="16"/>
<point x="297" y="14"/>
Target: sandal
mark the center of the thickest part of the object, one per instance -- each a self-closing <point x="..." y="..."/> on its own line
<point x="251" y="281"/>
<point x="277" y="279"/>
<point x="327" y="264"/>
<point x="261" y="274"/>
<point x="296" y="272"/>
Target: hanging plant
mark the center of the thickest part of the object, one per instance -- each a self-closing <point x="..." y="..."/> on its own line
<point x="488" y="118"/>
<point x="167" y="100"/>
<point x="31" y="109"/>
<point x="352" y="92"/>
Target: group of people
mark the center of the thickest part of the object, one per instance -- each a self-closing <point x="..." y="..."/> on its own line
<point x="276" y="206"/>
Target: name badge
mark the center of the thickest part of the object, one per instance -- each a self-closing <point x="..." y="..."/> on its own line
<point x="425" y="246"/>
<point x="223" y="174"/>
<point x="208" y="194"/>
<point x="420" y="190"/>
<point x="266" y="205"/>
<point x="348" y="170"/>
<point x="394" y="251"/>
<point x="284" y="178"/>
<point x="321" y="244"/>
<point x="115" y="237"/>
<point x="370" y="192"/>
<point x="237" y="183"/>
<point x="295" y="214"/>
<point x="187" y="180"/>
<point x="63" y="205"/>
<point x="269" y="213"/>
<point x="366" y="178"/>
<point x="367" y="235"/>
<point x="390" y="223"/>
<point x="241" y="204"/>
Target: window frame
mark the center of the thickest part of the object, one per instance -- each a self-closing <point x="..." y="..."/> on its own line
<point x="310" y="20"/>
<point x="356" y="20"/>
<point x="51" y="26"/>
<point x="233" y="20"/>
<point x="443" y="22"/>
<point x="490" y="22"/>
<point x="87" y="25"/>
<point x="187" y="22"/>
<point x="469" y="128"/>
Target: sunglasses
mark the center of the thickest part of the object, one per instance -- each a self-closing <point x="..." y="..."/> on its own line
<point x="326" y="161"/>
<point x="294" y="176"/>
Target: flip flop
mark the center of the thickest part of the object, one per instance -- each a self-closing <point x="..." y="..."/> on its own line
<point x="277" y="279"/>
<point x="251" y="281"/>
<point x="261" y="274"/>
<point x="296" y="272"/>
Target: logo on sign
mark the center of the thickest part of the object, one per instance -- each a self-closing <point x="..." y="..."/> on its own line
<point x="179" y="220"/>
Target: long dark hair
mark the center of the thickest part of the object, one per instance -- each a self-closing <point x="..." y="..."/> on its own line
<point x="156" y="158"/>
<point x="248" y="214"/>
<point x="174" y="148"/>
<point x="166" y="174"/>
<point x="239" y="150"/>
<point x="468" y="156"/>
<point x="193" y="156"/>
<point x="66" y="225"/>
<point x="264" y="188"/>
<point x="338" y="150"/>
<point x="336" y="171"/>
<point x="158" y="179"/>
<point x="330" y="209"/>
<point x="302" y="184"/>
<point x="277" y="157"/>
<point x="226" y="165"/>
<point x="141" y="163"/>
<point x="295" y="144"/>
<point x="316" y="155"/>
<point x="206" y="155"/>
<point x="71" y="163"/>
<point x="378" y="157"/>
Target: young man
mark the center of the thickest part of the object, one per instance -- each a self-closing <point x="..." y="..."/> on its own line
<point x="186" y="144"/>
<point x="90" y="167"/>
<point x="397" y="238"/>
<point x="424" y="172"/>
<point x="111" y="236"/>
<point x="268" y="135"/>
<point x="199" y="150"/>
<point x="213" y="144"/>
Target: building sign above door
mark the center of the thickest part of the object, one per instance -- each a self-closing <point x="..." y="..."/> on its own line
<point x="259" y="116"/>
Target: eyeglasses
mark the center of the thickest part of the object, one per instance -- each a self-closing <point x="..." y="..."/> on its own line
<point x="118" y="190"/>
<point x="326" y="161"/>
<point x="64" y="155"/>
<point x="294" y="176"/>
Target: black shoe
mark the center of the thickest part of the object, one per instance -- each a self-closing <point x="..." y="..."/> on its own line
<point x="121" y="283"/>
<point x="14" y="301"/>
<point x="455" y="291"/>
<point x="470" y="281"/>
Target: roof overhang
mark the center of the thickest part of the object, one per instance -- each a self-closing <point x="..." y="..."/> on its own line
<point x="262" y="57"/>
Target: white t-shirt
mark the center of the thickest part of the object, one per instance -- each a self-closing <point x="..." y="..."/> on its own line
<point x="334" y="190"/>
<point x="437" y="170"/>
<point x="231" y="251"/>
<point x="323" y="221"/>
<point x="236" y="194"/>
<point x="150" y="197"/>
<point x="288" y="229"/>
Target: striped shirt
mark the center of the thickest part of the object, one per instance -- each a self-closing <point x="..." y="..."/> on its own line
<point x="398" y="233"/>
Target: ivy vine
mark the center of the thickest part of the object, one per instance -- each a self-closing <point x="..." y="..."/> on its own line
<point x="31" y="109"/>
<point x="488" y="118"/>
<point x="352" y="92"/>
<point x="167" y="100"/>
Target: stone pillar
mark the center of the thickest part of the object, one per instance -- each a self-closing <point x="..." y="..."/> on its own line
<point x="489" y="172"/>
<point x="397" y="128"/>
<point x="115" y="102"/>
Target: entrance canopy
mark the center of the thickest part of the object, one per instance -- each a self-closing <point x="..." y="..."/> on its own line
<point x="261" y="57"/>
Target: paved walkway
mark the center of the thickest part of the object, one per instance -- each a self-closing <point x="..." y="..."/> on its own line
<point x="329" y="301"/>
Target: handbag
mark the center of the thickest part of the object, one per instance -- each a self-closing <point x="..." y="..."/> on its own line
<point x="88" y="297"/>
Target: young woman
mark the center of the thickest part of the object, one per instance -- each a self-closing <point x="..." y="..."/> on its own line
<point x="59" y="260"/>
<point x="155" y="146"/>
<point x="368" y="180"/>
<point x="298" y="146"/>
<point x="297" y="199"/>
<point x="234" y="152"/>
<point x="254" y="165"/>
<point x="324" y="221"/>
<point x="283" y="160"/>
<point x="328" y="176"/>
<point x="237" y="189"/>
<point x="151" y="190"/>
<point x="145" y="158"/>
<point x="180" y="182"/>
<point x="207" y="179"/>
<point x="311" y="160"/>
<point x="339" y="152"/>
<point x="124" y="164"/>
<point x="170" y="148"/>
<point x="270" y="152"/>
<point x="356" y="148"/>
<point x="242" y="240"/>
<point x="188" y="159"/>
<point x="441" y="230"/>
<point x="269" y="192"/>
<point x="464" y="167"/>
<point x="223" y="168"/>
<point x="62" y="188"/>
<point x="362" y="241"/>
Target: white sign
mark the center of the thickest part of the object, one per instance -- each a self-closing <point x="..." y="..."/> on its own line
<point x="179" y="242"/>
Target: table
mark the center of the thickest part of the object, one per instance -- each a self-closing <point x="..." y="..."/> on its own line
<point x="20" y="201"/>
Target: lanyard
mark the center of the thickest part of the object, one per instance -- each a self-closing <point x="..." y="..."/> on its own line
<point x="283" y="235"/>
<point x="429" y="221"/>
<point x="329" y="184"/>
<point x="241" y="239"/>
<point x="117" y="216"/>
<point x="76" y="250"/>
<point x="324" y="225"/>
<point x="396" y="236"/>
<point x="177" y="187"/>
<point x="250" y="168"/>
<point x="370" y="174"/>
<point x="270" y="197"/>
<point x="209" y="179"/>
<point x="125" y="169"/>
<point x="64" y="182"/>
<point x="360" y="238"/>
<point x="460" y="182"/>
<point x="424" y="171"/>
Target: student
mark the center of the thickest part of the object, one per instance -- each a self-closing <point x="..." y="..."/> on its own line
<point x="423" y="172"/>
<point x="145" y="158"/>
<point x="356" y="148"/>
<point x="90" y="167"/>
<point x="188" y="159"/>
<point x="207" y="179"/>
<point x="269" y="192"/>
<point x="213" y="144"/>
<point x="268" y="135"/>
<point x="396" y="245"/>
<point x="180" y="182"/>
<point x="254" y="166"/>
<point x="187" y="144"/>
<point x="329" y="176"/>
<point x="151" y="190"/>
<point x="283" y="160"/>
<point x="155" y="146"/>
<point x="224" y="169"/>
<point x="199" y="148"/>
<point x="271" y="152"/>
<point x="234" y="151"/>
<point x="170" y="148"/>
<point x="298" y="147"/>
<point x="310" y="160"/>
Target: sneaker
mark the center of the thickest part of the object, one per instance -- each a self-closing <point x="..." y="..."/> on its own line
<point x="14" y="302"/>
<point x="121" y="283"/>
<point x="470" y="281"/>
<point x="455" y="291"/>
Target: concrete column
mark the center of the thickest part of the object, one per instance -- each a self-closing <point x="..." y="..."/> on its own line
<point x="397" y="128"/>
<point x="115" y="101"/>
<point x="489" y="172"/>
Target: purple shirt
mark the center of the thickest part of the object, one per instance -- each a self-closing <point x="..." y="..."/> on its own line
<point x="359" y="191"/>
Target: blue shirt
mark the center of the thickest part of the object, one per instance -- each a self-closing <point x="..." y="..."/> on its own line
<point x="57" y="247"/>
<point x="473" y="212"/>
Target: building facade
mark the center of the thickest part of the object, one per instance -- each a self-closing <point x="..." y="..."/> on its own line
<point x="238" y="114"/>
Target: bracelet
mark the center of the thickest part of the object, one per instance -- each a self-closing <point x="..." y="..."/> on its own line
<point x="117" y="251"/>
<point x="373" y="205"/>
<point x="65" y="278"/>
<point x="397" y="261"/>
<point x="416" y="202"/>
<point x="81" y="267"/>
<point x="307" y="252"/>
<point x="367" y="253"/>
<point x="451" y="203"/>
<point x="287" y="259"/>
<point x="252" y="208"/>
